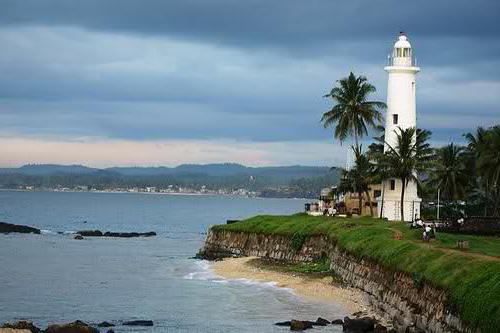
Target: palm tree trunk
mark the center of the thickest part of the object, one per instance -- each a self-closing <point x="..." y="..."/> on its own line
<point x="486" y="198"/>
<point x="382" y="201"/>
<point x="403" y="185"/>
<point x="360" y="203"/>
<point x="370" y="202"/>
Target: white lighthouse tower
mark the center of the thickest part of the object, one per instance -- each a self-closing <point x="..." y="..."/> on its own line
<point x="401" y="112"/>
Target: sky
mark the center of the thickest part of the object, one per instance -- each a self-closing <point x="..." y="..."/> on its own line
<point x="154" y="82"/>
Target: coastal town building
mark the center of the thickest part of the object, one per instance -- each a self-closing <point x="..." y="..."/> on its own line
<point x="351" y="201"/>
<point x="401" y="113"/>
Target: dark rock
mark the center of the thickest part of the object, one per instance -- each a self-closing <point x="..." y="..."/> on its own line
<point x="22" y="325"/>
<point x="359" y="314"/>
<point x="321" y="322"/>
<point x="300" y="325"/>
<point x="7" y="227"/>
<point x="129" y="234"/>
<point x="99" y="233"/>
<point x="90" y="233"/>
<point x="379" y="328"/>
<point x="283" y="323"/>
<point x="138" y="323"/>
<point x="337" y="322"/>
<point x="105" y="324"/>
<point x="359" y="325"/>
<point x="214" y="255"/>
<point x="110" y="331"/>
<point x="413" y="329"/>
<point x="79" y="237"/>
<point x="75" y="327"/>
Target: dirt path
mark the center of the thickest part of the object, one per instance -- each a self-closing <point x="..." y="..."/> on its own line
<point x="446" y="250"/>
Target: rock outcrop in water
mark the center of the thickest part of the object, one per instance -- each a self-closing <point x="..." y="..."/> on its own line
<point x="22" y="325"/>
<point x="99" y="233"/>
<point x="8" y="227"/>
<point x="74" y="327"/>
<point x="138" y="323"/>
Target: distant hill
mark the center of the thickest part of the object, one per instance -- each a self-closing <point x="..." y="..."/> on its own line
<point x="48" y="169"/>
<point x="218" y="170"/>
<point x="270" y="181"/>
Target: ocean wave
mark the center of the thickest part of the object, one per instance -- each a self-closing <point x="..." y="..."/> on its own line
<point x="52" y="232"/>
<point x="204" y="272"/>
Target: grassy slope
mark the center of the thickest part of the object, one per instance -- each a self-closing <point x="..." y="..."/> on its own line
<point x="472" y="279"/>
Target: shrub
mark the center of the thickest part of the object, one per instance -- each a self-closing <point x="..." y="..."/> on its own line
<point x="298" y="240"/>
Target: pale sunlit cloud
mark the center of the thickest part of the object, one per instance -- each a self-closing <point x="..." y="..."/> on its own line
<point x="15" y="152"/>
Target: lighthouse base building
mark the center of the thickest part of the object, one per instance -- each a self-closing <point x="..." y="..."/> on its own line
<point x="389" y="203"/>
<point x="401" y="114"/>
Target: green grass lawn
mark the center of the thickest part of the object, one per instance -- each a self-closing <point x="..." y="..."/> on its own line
<point x="471" y="278"/>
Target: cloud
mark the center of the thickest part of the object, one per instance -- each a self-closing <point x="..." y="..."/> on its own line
<point x="253" y="71"/>
<point x="106" y="153"/>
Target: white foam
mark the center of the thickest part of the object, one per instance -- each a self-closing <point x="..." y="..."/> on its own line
<point x="52" y="232"/>
<point x="204" y="272"/>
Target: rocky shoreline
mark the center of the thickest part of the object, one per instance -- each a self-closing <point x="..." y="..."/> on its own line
<point x="73" y="327"/>
<point x="99" y="233"/>
<point x="408" y="303"/>
<point x="6" y="228"/>
<point x="350" y="325"/>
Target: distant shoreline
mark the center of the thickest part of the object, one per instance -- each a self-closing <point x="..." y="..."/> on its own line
<point x="149" y="193"/>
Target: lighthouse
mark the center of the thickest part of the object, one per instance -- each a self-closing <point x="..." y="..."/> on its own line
<point x="401" y="113"/>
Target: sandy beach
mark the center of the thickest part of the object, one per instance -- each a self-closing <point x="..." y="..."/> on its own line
<point x="316" y="288"/>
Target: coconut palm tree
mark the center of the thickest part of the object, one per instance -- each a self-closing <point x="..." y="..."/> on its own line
<point x="484" y="156"/>
<point x="450" y="172"/>
<point x="375" y="154"/>
<point x="359" y="178"/>
<point x="410" y="156"/>
<point x="352" y="112"/>
<point x="488" y="165"/>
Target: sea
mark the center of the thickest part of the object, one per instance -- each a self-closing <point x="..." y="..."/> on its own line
<point x="53" y="278"/>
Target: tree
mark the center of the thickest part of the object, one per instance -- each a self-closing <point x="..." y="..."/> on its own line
<point x="375" y="154"/>
<point x="352" y="112"/>
<point x="359" y="178"/>
<point x="488" y="165"/>
<point x="450" y="173"/>
<point x="484" y="150"/>
<point x="410" y="156"/>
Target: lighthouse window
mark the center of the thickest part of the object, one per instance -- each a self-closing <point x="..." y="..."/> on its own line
<point x="395" y="119"/>
<point x="393" y="184"/>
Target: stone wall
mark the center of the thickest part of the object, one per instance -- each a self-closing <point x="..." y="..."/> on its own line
<point x="405" y="300"/>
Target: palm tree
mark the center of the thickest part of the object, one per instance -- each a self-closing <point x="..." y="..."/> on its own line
<point x="450" y="172"/>
<point x="488" y="165"/>
<point x="410" y="156"/>
<point x="352" y="112"/>
<point x="484" y="152"/>
<point x="375" y="154"/>
<point x="359" y="178"/>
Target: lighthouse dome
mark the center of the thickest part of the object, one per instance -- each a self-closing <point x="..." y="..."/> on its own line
<point x="402" y="42"/>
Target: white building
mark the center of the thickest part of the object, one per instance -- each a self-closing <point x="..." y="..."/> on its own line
<point x="401" y="112"/>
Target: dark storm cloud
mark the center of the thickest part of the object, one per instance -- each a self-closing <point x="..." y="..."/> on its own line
<point x="268" y="23"/>
<point x="248" y="70"/>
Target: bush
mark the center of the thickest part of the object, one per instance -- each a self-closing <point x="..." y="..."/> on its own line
<point x="298" y="240"/>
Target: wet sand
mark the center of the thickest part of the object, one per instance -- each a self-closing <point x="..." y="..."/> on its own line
<point x="315" y="288"/>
